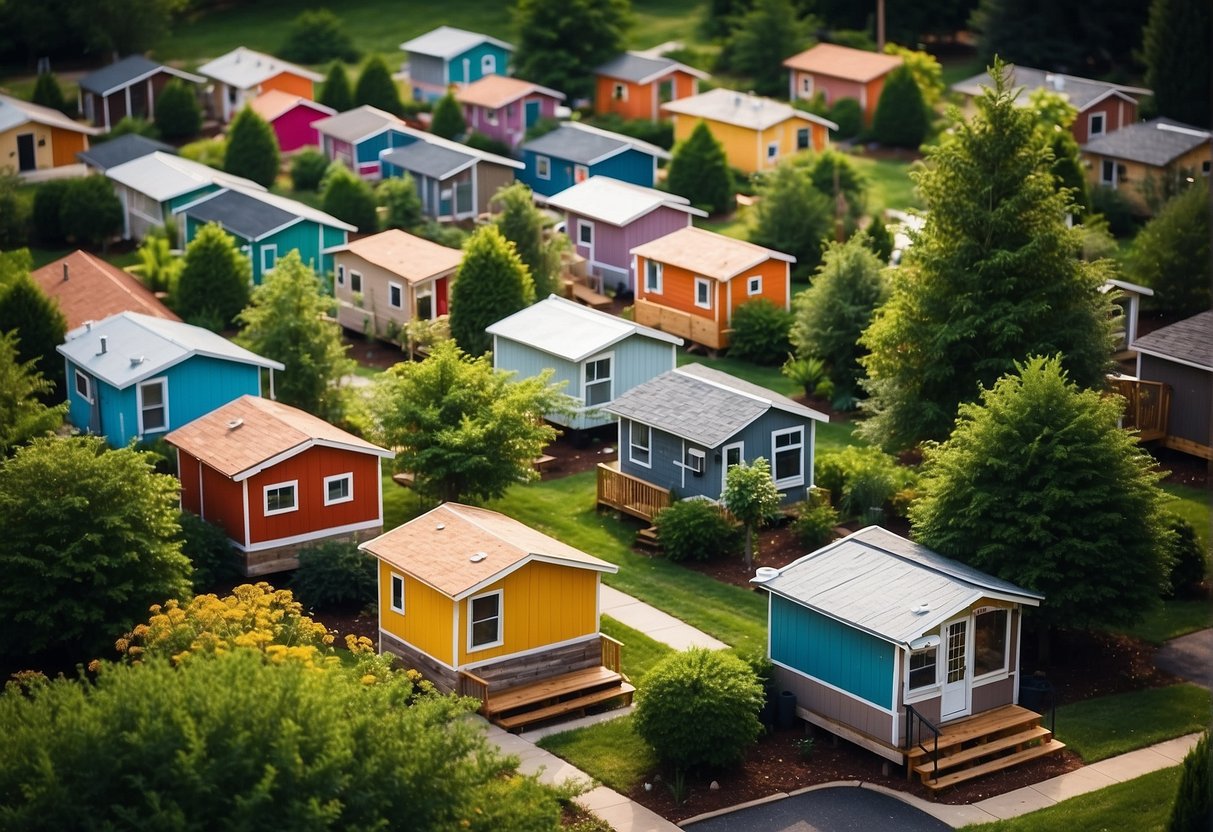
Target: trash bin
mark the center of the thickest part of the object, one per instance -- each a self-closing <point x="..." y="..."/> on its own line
<point x="1035" y="693"/>
<point x="786" y="712"/>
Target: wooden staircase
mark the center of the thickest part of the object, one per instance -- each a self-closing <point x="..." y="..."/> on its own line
<point x="980" y="745"/>
<point x="571" y="693"/>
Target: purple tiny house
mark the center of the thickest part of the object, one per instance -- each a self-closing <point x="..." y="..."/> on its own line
<point x="503" y="108"/>
<point x="606" y="219"/>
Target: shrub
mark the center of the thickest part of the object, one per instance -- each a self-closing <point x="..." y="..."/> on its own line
<point x="48" y="200"/>
<point x="377" y="88"/>
<point x="451" y="236"/>
<point x="307" y="169"/>
<point x="399" y="197"/>
<point x="48" y="93"/>
<point x="316" y="36"/>
<point x="349" y="198"/>
<point x="699" y="708"/>
<point x="130" y="124"/>
<point x="810" y="374"/>
<point x="336" y="92"/>
<point x="761" y="332"/>
<point x="209" y="550"/>
<point x="695" y="530"/>
<point x="901" y="118"/>
<point x="91" y="212"/>
<point x="488" y="145"/>
<point x="814" y="523"/>
<point x="448" y="118"/>
<point x="1193" y="800"/>
<point x="178" y="115"/>
<point x="861" y="479"/>
<point x="848" y="115"/>
<point x="332" y="574"/>
<point x="1114" y="208"/>
<point x="1190" y="560"/>
<point x="209" y="152"/>
<point x="252" y="149"/>
<point x="14" y="211"/>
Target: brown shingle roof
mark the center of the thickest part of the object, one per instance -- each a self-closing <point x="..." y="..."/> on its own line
<point x="708" y="253"/>
<point x="274" y="103"/>
<point x="843" y="62"/>
<point x="91" y="289"/>
<point x="412" y="258"/>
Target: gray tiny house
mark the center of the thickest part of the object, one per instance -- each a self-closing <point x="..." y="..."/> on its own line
<point x="1179" y="357"/>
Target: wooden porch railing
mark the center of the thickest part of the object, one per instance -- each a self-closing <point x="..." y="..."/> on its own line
<point x="1147" y="405"/>
<point x="612" y="653"/>
<point x="683" y="324"/>
<point x="629" y="494"/>
<point x="472" y="685"/>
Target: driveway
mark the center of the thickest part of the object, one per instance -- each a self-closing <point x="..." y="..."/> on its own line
<point x="1189" y="657"/>
<point x="835" y="809"/>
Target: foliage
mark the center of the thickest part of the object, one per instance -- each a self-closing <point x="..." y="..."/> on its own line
<point x="561" y="42"/>
<point x="316" y="36"/>
<point x="1114" y="207"/>
<point x="792" y="216"/>
<point x="348" y="197"/>
<point x="767" y="33"/>
<point x="40" y="327"/>
<point x="252" y="148"/>
<point x="286" y="320"/>
<point x="852" y="187"/>
<point x="130" y="125"/>
<point x="48" y="93"/>
<point x="1194" y="799"/>
<point x="927" y="72"/>
<point x="699" y="708"/>
<point x="308" y="167"/>
<point x="861" y="480"/>
<point x="700" y="172"/>
<point x="695" y="530"/>
<point x="901" y="118"/>
<point x="1189" y="559"/>
<point x="611" y="752"/>
<point x="1039" y="485"/>
<point x="214" y="282"/>
<point x="209" y="152"/>
<point x="90" y="212"/>
<point x="815" y="522"/>
<point x="336" y="92"/>
<point x="1171" y="254"/>
<point x="376" y="88"/>
<point x="448" y="118"/>
<point x="492" y="282"/>
<point x="158" y="267"/>
<point x="479" y="141"/>
<point x="1175" y="49"/>
<point x="808" y="374"/>
<point x="48" y="202"/>
<point x="178" y="115"/>
<point x="880" y="239"/>
<point x="209" y="550"/>
<point x="334" y="573"/>
<point x="451" y="236"/>
<point x="848" y="115"/>
<point x="73" y="589"/>
<point x="660" y="133"/>
<point x="399" y="196"/>
<point x="1055" y="114"/>
<point x="464" y="429"/>
<point x="750" y="495"/>
<point x="14" y="211"/>
<point x="1097" y="240"/>
<point x="520" y="222"/>
<point x="760" y="332"/>
<point x="22" y="415"/>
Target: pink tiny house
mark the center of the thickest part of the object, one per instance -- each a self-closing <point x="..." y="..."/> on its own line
<point x="292" y="117"/>
<point x="503" y="108"/>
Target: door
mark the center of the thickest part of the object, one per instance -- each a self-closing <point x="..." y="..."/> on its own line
<point x="731" y="455"/>
<point x="26" y="159"/>
<point x="954" y="700"/>
<point x="531" y="113"/>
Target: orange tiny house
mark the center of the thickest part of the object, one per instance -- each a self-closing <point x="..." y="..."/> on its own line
<point x="634" y="86"/>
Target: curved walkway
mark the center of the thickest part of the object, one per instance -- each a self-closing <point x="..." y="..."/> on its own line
<point x="1189" y="657"/>
<point x="830" y="808"/>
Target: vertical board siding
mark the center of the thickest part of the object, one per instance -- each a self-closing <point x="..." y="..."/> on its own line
<point x="426" y="69"/>
<point x="426" y="622"/>
<point x="200" y="384"/>
<point x="1191" y="397"/>
<point x="310" y="468"/>
<point x="223" y="502"/>
<point x="632" y="165"/>
<point x="774" y="274"/>
<point x="665" y="451"/>
<point x="187" y="475"/>
<point x="658" y="223"/>
<point x="473" y="56"/>
<point x="291" y="83"/>
<point x="638" y="359"/>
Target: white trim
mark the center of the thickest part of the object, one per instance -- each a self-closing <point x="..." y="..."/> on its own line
<point x="966" y="681"/>
<point x="278" y="486"/>
<point x="391" y="599"/>
<point x="355" y="274"/>
<point x="379" y="484"/>
<point x="632" y="424"/>
<point x="1163" y="357"/>
<point x="309" y="536"/>
<point x="609" y="357"/>
<point x="162" y="381"/>
<point x="500" y="640"/>
<point x="894" y="739"/>
<point x="270" y="249"/>
<point x="724" y="461"/>
<point x="391" y="284"/>
<point x="385" y="631"/>
<point x="247" y="537"/>
<point x="932" y="691"/>
<point x="88" y="385"/>
<point x="751" y="289"/>
<point x="382" y="453"/>
<point x="348" y="498"/>
<point x="658" y="274"/>
<point x="1018" y="641"/>
<point x="774" y="146"/>
<point x="846" y="693"/>
<point x="531" y="651"/>
<point x="546" y="173"/>
<point x="510" y="570"/>
<point x="1004" y="671"/>
<point x="706" y="282"/>
<point x="788" y="482"/>
<point x="695" y="454"/>
<point x="1103" y="126"/>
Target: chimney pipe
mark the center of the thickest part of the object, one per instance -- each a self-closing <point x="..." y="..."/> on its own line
<point x="104" y="345"/>
<point x="65" y="272"/>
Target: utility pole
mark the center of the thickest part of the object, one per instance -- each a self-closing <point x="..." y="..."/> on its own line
<point x="880" y="25"/>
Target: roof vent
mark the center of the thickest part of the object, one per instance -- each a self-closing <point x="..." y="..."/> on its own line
<point x="921" y="608"/>
<point x="765" y="573"/>
<point x="476" y="557"/>
<point x="104" y="345"/>
<point x="136" y="360"/>
<point x="440" y="527"/>
<point x="232" y="424"/>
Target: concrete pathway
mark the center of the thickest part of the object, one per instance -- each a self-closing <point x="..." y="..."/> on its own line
<point x="654" y="623"/>
<point x="1189" y="657"/>
<point x="835" y="808"/>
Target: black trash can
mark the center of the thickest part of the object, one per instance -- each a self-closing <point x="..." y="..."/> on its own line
<point x="1035" y="693"/>
<point x="786" y="712"/>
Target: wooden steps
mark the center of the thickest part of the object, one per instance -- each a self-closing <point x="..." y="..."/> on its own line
<point x="648" y="538"/>
<point x="568" y="706"/>
<point x="997" y="764"/>
<point x="567" y="693"/>
<point x="985" y="749"/>
<point x="999" y="721"/>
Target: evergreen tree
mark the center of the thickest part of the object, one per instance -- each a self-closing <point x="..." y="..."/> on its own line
<point x="765" y="36"/>
<point x="1054" y="116"/>
<point x="835" y="175"/>
<point x="23" y="416"/>
<point x="399" y="196"/>
<point x="90" y="212"/>
<point x="39" y="324"/>
<point x="48" y="205"/>
<point x="1194" y="799"/>
<point x="252" y="149"/>
<point x="318" y="35"/>
<point x="992" y="279"/>
<point x="448" y="118"/>
<point x="700" y="172"/>
<point x="492" y="283"/>
<point x="214" y="282"/>
<point x="1177" y="55"/>
<point x="522" y="224"/>
<point x="927" y="72"/>
<point x="14" y="211"/>
<point x="561" y="42"/>
<point x="336" y="92"/>
<point x="349" y="198"/>
<point x="880" y="239"/>
<point x="178" y="115"/>
<point x="901" y="116"/>
<point x="1171" y="254"/>
<point x="792" y="216"/>
<point x="48" y="93"/>
<point x="376" y="88"/>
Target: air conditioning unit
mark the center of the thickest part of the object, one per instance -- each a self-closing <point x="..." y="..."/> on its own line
<point x="695" y="461"/>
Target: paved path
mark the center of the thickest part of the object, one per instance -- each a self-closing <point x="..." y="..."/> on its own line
<point x="826" y="809"/>
<point x="654" y="623"/>
<point x="1189" y="657"/>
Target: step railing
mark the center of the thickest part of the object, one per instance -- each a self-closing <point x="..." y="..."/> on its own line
<point x="629" y="494"/>
<point x="918" y="727"/>
<point x="472" y="685"/>
<point x="612" y="653"/>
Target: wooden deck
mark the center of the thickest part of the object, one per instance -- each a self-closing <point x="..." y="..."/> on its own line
<point x="695" y="328"/>
<point x="1147" y="406"/>
<point x="629" y="494"/>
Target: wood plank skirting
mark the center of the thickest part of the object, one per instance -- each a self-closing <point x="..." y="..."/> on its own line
<point x="683" y="324"/>
<point x="1147" y="406"/>
<point x="629" y="494"/>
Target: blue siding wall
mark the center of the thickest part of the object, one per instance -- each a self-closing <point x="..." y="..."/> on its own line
<point x="831" y="651"/>
<point x="458" y="75"/>
<point x="309" y="238"/>
<point x="632" y="165"/>
<point x="368" y="151"/>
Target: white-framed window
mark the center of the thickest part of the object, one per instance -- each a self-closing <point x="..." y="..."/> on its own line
<point x="488" y="64"/>
<point x="772" y="151"/>
<point x="355" y="281"/>
<point x="703" y="293"/>
<point x="84" y="387"/>
<point x="484" y="621"/>
<point x="395" y="295"/>
<point x="153" y="405"/>
<point x="991" y="634"/>
<point x="731" y="455"/>
<point x="640" y="445"/>
<point x="280" y="497"/>
<point x="695" y="461"/>
<point x="753" y="285"/>
<point x="652" y="277"/>
<point x="619" y="91"/>
<point x="585" y="232"/>
<point x="787" y="450"/>
<point x="806" y="85"/>
<point x="339" y="488"/>
<point x="490" y="116"/>
<point x="269" y="256"/>
<point x="1107" y="173"/>
<point x="923" y="668"/>
<point x="396" y="601"/>
<point x="803" y="138"/>
<point x="1095" y="124"/>
<point x="425" y="303"/>
<point x="543" y="167"/>
<point x="340" y="275"/>
<point x="598" y="386"/>
<point x="580" y="173"/>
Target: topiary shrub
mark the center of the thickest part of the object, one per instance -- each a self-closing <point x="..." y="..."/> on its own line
<point x="349" y="198"/>
<point x="334" y="574"/>
<point x="1190" y="560"/>
<point x="307" y="169"/>
<point x="814" y="523"/>
<point x="1194" y="798"/>
<point x="178" y="115"/>
<point x="761" y="333"/>
<point x="699" y="708"/>
<point x="696" y="530"/>
<point x="209" y="550"/>
<point x="848" y="115"/>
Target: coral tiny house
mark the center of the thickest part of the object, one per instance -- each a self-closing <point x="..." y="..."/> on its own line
<point x="277" y="479"/>
<point x="504" y="108"/>
<point x="835" y="72"/>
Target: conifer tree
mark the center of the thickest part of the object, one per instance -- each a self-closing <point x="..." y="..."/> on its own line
<point x="23" y="416"/>
<point x="522" y="224"/>
<point x="376" y="88"/>
<point x="1177" y="55"/>
<point x="901" y="116"/>
<point x="560" y="42"/>
<point x="252" y="149"/>
<point x="448" y="118"/>
<point x="39" y="324"/>
<point x="336" y="92"/>
<point x="1171" y="254"/>
<point x="178" y="115"/>
<point x="214" y="282"/>
<point x="492" y="283"/>
<point x="793" y="217"/>
<point x="700" y="172"/>
<point x="766" y="34"/>
<point x="349" y="198"/>
<point x="48" y="93"/>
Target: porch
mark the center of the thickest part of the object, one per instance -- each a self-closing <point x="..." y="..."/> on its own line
<point x="628" y="494"/>
<point x="1147" y="405"/>
<point x="683" y="324"/>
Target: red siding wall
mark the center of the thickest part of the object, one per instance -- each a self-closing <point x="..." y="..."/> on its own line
<point x="1117" y="113"/>
<point x="187" y="473"/>
<point x="223" y="503"/>
<point x="310" y="468"/>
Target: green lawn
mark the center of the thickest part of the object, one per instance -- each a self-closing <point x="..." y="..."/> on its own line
<point x="768" y="377"/>
<point x="611" y="752"/>
<point x="1170" y="619"/>
<point x="736" y="225"/>
<point x="639" y="652"/>
<point x="1142" y="805"/>
<point x="1192" y="504"/>
<point x="889" y="183"/>
<point x="1096" y="729"/>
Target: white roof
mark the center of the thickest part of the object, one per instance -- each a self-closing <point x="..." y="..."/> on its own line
<point x="569" y="330"/>
<point x="447" y="42"/>
<point x="14" y="112"/>
<point x="163" y="176"/>
<point x="243" y="68"/>
<point x="140" y="346"/>
<point x="741" y="109"/>
<point x="615" y="202"/>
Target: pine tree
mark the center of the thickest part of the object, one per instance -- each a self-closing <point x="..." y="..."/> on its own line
<point x="901" y="116"/>
<point x="1177" y="56"/>
<point x="349" y="198"/>
<point x="336" y="92"/>
<point x="766" y="35"/>
<point x="700" y="172"/>
<point x="793" y="217"/>
<point x="178" y="115"/>
<point x="214" y="282"/>
<point x="492" y="283"/>
<point x="252" y="149"/>
<point x="448" y="118"/>
<point x="560" y="42"/>
<point x="522" y="224"/>
<point x="26" y="310"/>
<point x="23" y="416"/>
<point x="376" y="88"/>
<point x="880" y="240"/>
<point x="48" y="93"/>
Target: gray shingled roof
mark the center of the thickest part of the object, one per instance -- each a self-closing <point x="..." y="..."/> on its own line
<point x="240" y="214"/>
<point x="429" y="159"/>
<point x="121" y="150"/>
<point x="126" y="71"/>
<point x="356" y="124"/>
<point x="1189" y="340"/>
<point x="578" y="146"/>
<point x="1157" y="142"/>
<point x="1081" y="92"/>
<point x="634" y="68"/>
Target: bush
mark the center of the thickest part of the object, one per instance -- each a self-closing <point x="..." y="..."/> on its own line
<point x="377" y="88"/>
<point x="761" y="332"/>
<point x="696" y="530"/>
<point x="316" y="36"/>
<point x="810" y="374"/>
<point x="399" y="197"/>
<point x="48" y="93"/>
<point x="660" y="133"/>
<point x="14" y="211"/>
<point x="451" y="236"/>
<point x="91" y="212"/>
<point x="1193" y="800"/>
<point x="349" y="198"/>
<point x="209" y="550"/>
<point x="488" y="145"/>
<point x="848" y="115"/>
<point x="861" y="479"/>
<point x="337" y="92"/>
<point x="448" y="118"/>
<point x="209" y="152"/>
<point x="128" y="125"/>
<point x="1190" y="560"/>
<point x="307" y="169"/>
<point x="48" y="201"/>
<point x="814" y="523"/>
<point x="901" y="118"/>
<point x="178" y="115"/>
<point x="699" y="708"/>
<point x="332" y="574"/>
<point x="252" y="149"/>
<point x="1114" y="208"/>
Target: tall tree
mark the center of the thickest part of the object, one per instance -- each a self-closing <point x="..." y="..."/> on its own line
<point x="766" y="34"/>
<point x="750" y="495"/>
<point x="26" y="310"/>
<point x="287" y="321"/>
<point x="1090" y="39"/>
<point x="336" y="92"/>
<point x="1171" y="254"/>
<point x="252" y="148"/>
<point x="376" y="88"/>
<point x="993" y="278"/>
<point x="178" y="115"/>
<point x="520" y="222"/>
<point x="560" y="42"/>
<point x="700" y="172"/>
<point x="901" y="118"/>
<point x="1054" y="116"/>
<point x="927" y="72"/>
<point x="465" y="429"/>
<point x="48" y="93"/>
<point x="123" y="27"/>
<point x="792" y="216"/>
<point x="1176" y="50"/>
<point x="448" y="118"/>
<point x="14" y="211"/>
<point x="492" y="283"/>
<point x="316" y="36"/>
<point x="214" y="282"/>
<point x="23" y="416"/>
<point x="349" y="198"/>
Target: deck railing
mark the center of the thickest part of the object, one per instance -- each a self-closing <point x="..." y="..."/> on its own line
<point x="629" y="494"/>
<point x="1147" y="405"/>
<point x="919" y="726"/>
<point x="612" y="653"/>
<point x="472" y="685"/>
<point x="695" y="328"/>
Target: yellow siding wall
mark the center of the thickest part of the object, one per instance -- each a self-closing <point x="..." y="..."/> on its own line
<point x="426" y="623"/>
<point x="745" y="148"/>
<point x="43" y="155"/>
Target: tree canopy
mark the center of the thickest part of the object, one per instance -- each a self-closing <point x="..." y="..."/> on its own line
<point x="48" y="93"/>
<point x="214" y="282"/>
<point x="178" y="115"/>
<point x="492" y="283"/>
<point x="252" y="148"/>
<point x="336" y="92"/>
<point x="765" y="35"/>
<point x="23" y="416"/>
<point x="90" y="212"/>
<point x="36" y="319"/>
<point x="901" y="118"/>
<point x="318" y="35"/>
<point x="700" y="172"/>
<point x="561" y="42"/>
<point x="520" y="222"/>
<point x="750" y="495"/>
<point x="792" y="216"/>
<point x="448" y="118"/>
<point x="1171" y="254"/>
<point x="399" y="196"/>
<point x="376" y="87"/>
<point x="348" y="197"/>
<point x="1175" y="47"/>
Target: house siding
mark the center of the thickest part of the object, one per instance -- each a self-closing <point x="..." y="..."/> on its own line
<point x="632" y="165"/>
<point x="1132" y="177"/>
<point x="1191" y="398"/>
<point x="427" y="621"/>
<point x="367" y="152"/>
<point x="291" y="83"/>
<point x="511" y="123"/>
<point x="427" y="76"/>
<point x="1117" y="113"/>
<point x="143" y="97"/>
<point x="466" y="66"/>
<point x="745" y="148"/>
<point x="642" y="100"/>
<point x="294" y="128"/>
<point x="373" y="315"/>
<point x="222" y="502"/>
<point x="53" y="146"/>
<point x="613" y="244"/>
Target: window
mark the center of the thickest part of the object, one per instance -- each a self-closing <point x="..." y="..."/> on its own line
<point x="694" y="461"/>
<point x="990" y="641"/>
<point x="153" y="406"/>
<point x="355" y="281"/>
<point x="597" y="388"/>
<point x="338" y="489"/>
<point x="1107" y="173"/>
<point x="922" y="668"/>
<point x="488" y="64"/>
<point x="84" y="387"/>
<point x="585" y="233"/>
<point x="733" y="455"/>
<point x="485" y="627"/>
<point x="802" y="138"/>
<point x="1204" y="167"/>
<point x="490" y="116"/>
<point x="1095" y="123"/>
<point x="395" y="295"/>
<point x="543" y="167"/>
<point x="640" y="444"/>
<point x="703" y="293"/>
<point x="806" y="85"/>
<point x="580" y="173"/>
<point x="280" y="497"/>
<point x="340" y="275"/>
<point x="772" y="151"/>
<point x="753" y="285"/>
<point x="397" y="600"/>
<point x="619" y="92"/>
<point x="425" y="304"/>
<point x="788" y="450"/>
<point x="269" y="256"/>
<point x="652" y="277"/>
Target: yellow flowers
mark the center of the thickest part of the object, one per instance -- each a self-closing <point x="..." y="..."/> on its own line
<point x="369" y="679"/>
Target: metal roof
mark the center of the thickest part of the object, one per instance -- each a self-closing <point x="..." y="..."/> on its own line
<point x="1189" y="341"/>
<point x="163" y="176"/>
<point x="252" y="214"/>
<point x="447" y="42"/>
<point x="245" y="68"/>
<point x="429" y="159"/>
<point x="617" y="203"/>
<point x="643" y="69"/>
<point x="569" y="330"/>
<point x="1081" y="92"/>
<point x="123" y="149"/>
<point x="742" y="109"/>
<point x="357" y="124"/>
<point x="588" y="145"/>
<point x="14" y="112"/>
<point x="1157" y="142"/>
<point x="128" y="71"/>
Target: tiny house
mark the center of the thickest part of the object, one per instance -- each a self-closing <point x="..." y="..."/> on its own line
<point x="242" y="74"/>
<point x="449" y="57"/>
<point x="127" y="89"/>
<point x="634" y="85"/>
<point x="35" y="138"/>
<point x="504" y="108"/>
<point x="1138" y="159"/>
<point x="835" y="72"/>
<point x="1174" y="385"/>
<point x="358" y="137"/>
<point x="574" y="152"/>
<point x="291" y="117"/>
<point x="454" y="181"/>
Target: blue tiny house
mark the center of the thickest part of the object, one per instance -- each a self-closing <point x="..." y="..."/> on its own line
<point x="574" y="152"/>
<point x="448" y="56"/>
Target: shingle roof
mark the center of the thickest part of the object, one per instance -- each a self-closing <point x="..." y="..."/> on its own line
<point x="273" y="104"/>
<point x="252" y="215"/>
<point x="447" y="42"/>
<point x="496" y="91"/>
<point x="702" y="405"/>
<point x="437" y="548"/>
<point x="588" y="145"/>
<point x="1157" y="142"/>
<point x="357" y="124"/>
<point x="127" y="71"/>
<point x="244" y="68"/>
<point x="88" y="289"/>
<point x="1081" y="92"/>
<point x="844" y="62"/>
<point x="429" y="159"/>
<point x="708" y="253"/>
<point x="121" y="150"/>
<point x="569" y="330"/>
<point x="412" y="258"/>
<point x="243" y="436"/>
<point x="750" y="111"/>
<point x="14" y="112"/>
<point x="875" y="580"/>
<point x="618" y="203"/>
<point x="163" y="176"/>
<point x="140" y="346"/>
<point x="1189" y="341"/>
<point x="643" y="69"/>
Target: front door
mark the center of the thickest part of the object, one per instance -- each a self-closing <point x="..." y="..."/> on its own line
<point x="731" y="455"/>
<point x="26" y="159"/>
<point x="954" y="701"/>
<point x="531" y="114"/>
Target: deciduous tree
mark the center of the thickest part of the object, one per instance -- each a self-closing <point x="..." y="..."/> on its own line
<point x="750" y="495"/>
<point x="318" y="35"/>
<point x="765" y="35"/>
<point x="23" y="416"/>
<point x="792" y="216"/>
<point x="39" y="323"/>
<point x="520" y="222"/>
<point x="700" y="172"/>
<point x="399" y="196"/>
<point x="561" y="42"/>
<point x="252" y="149"/>
<point x="349" y="198"/>
<point x="91" y="212"/>
<point x="1171" y="254"/>
<point x="214" y="282"/>
<point x="492" y="283"/>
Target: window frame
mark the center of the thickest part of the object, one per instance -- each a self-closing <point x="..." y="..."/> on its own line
<point x="543" y="167"/>
<point x="490" y="116"/>
<point x="619" y="92"/>
<point x="270" y="250"/>
<point x="929" y="689"/>
<point x="162" y="382"/>
<point x="772" y="151"/>
<point x="398" y="288"/>
<point x="395" y="579"/>
<point x="633" y="445"/>
<point x="798" y="479"/>
<point x="654" y="276"/>
<point x="701" y="457"/>
<point x="580" y="173"/>
<point x="340" y="274"/>
<point x="471" y="621"/>
<point x="706" y="283"/>
<point x="488" y="64"/>
<point x="1000" y="672"/>
<point x="1103" y="124"/>
<point x="348" y="476"/>
<point x="753" y="285"/>
<point x="583" y="226"/>
<point x="80" y="375"/>
<point x="806" y="85"/>
<point x="355" y="278"/>
<point x="427" y="293"/>
<point x="608" y="357"/>
<point x="278" y="486"/>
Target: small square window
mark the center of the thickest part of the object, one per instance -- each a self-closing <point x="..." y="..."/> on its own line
<point x="338" y="489"/>
<point x="355" y="281"/>
<point x="397" y="600"/>
<point x="580" y="173"/>
<point x="395" y="295"/>
<point x="753" y="285"/>
<point x="280" y="498"/>
<point x="543" y="167"/>
<point x="772" y="151"/>
<point x="585" y="233"/>
<point x="922" y="668"/>
<point x="619" y="92"/>
<point x="425" y="305"/>
<point x="1097" y="124"/>
<point x="694" y="460"/>
<point x="490" y="116"/>
<point x="84" y="387"/>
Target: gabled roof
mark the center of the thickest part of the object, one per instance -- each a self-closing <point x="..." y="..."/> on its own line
<point x="163" y="176"/>
<point x="441" y="548"/>
<point x="741" y="109"/>
<point x="708" y="253"/>
<point x="618" y="203"/>
<point x="412" y="258"/>
<point x="130" y="70"/>
<point x="644" y="69"/>
<point x="429" y="159"/>
<point x="888" y="586"/>
<point x="494" y="91"/>
<point x="1081" y="92"/>
<point x="244" y="437"/>
<point x="448" y="159"/>
<point x="273" y="104"/>
<point x="448" y="42"/>
<point x="88" y="289"/>
<point x="1157" y="142"/>
<point x="588" y="145"/>
<point x="702" y="405"/>
<point x="1189" y="341"/>
<point x="123" y="149"/>
<point x="253" y="215"/>
<point x="844" y="62"/>
<point x="14" y="112"/>
<point x="357" y="124"/>
<point x="244" y="68"/>
<point x="140" y="346"/>
<point x="569" y="330"/>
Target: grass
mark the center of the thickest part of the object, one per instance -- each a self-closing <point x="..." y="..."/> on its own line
<point x="736" y="225"/>
<point x="1192" y="504"/>
<point x="1097" y="729"/>
<point x="768" y="377"/>
<point x="889" y="184"/>
<point x="611" y="752"/>
<point x="1170" y="620"/>
<point x="1142" y="804"/>
<point x="639" y="652"/>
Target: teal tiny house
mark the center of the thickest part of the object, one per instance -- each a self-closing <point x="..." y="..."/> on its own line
<point x="447" y="57"/>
